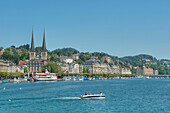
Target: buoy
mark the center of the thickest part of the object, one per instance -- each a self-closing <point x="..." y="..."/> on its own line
<point x="9" y="100"/>
<point x="4" y="88"/>
<point x="20" y="88"/>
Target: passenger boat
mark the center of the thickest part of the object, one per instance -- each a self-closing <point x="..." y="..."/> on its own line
<point x="45" y="76"/>
<point x="93" y="96"/>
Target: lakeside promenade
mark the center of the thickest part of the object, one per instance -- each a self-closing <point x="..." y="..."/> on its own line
<point x="86" y="76"/>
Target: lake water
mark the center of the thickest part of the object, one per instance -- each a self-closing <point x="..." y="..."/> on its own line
<point x="127" y="96"/>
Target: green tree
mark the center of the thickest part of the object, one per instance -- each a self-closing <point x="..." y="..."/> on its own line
<point x="162" y="71"/>
<point x="25" y="69"/>
<point x="105" y="61"/>
<point x="38" y="49"/>
<point x="69" y="54"/>
<point x="79" y="61"/>
<point x="86" y="70"/>
<point x="52" y="67"/>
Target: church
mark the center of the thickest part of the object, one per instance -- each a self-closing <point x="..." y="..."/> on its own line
<point x="36" y="62"/>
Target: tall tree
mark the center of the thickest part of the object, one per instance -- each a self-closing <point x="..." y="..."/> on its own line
<point x="52" y="67"/>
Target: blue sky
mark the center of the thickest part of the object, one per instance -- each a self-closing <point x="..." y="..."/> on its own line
<point x="118" y="27"/>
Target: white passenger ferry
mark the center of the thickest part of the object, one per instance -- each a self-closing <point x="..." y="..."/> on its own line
<point x="45" y="76"/>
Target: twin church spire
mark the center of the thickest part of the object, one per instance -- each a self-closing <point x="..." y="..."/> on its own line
<point x="32" y="43"/>
<point x="43" y="51"/>
<point x="44" y="45"/>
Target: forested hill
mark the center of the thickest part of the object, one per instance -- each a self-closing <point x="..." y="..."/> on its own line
<point x="138" y="60"/>
<point x="66" y="50"/>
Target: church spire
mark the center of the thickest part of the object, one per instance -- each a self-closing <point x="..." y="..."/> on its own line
<point x="44" y="45"/>
<point x="32" y="43"/>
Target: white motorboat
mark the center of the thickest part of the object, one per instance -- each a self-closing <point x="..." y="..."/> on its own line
<point x="93" y="96"/>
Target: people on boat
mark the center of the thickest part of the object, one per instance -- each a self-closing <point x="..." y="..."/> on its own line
<point x="86" y="93"/>
<point x="100" y="93"/>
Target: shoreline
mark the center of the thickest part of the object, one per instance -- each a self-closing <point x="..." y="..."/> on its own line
<point x="89" y="79"/>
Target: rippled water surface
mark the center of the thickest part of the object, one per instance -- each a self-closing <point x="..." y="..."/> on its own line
<point x="137" y="96"/>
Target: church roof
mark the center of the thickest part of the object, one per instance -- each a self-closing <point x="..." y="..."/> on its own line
<point x="32" y="43"/>
<point x="44" y="44"/>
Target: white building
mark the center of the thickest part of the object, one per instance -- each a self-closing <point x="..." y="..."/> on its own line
<point x="66" y="59"/>
<point x="99" y="68"/>
<point x="12" y="67"/>
<point x="155" y="72"/>
<point x="20" y="69"/>
<point x="4" y="65"/>
<point x="74" y="68"/>
<point x="125" y="71"/>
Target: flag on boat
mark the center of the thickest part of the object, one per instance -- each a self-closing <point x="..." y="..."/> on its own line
<point x="32" y="75"/>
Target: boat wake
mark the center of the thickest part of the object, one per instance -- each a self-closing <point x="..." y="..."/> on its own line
<point x="67" y="98"/>
<point x="42" y="99"/>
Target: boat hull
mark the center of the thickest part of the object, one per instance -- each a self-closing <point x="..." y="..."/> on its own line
<point x="45" y="79"/>
<point x="93" y="97"/>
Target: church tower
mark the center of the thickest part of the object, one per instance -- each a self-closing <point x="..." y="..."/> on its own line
<point x="44" y="51"/>
<point x="32" y="52"/>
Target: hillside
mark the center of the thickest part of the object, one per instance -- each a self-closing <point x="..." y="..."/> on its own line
<point x="15" y="54"/>
<point x="138" y="60"/>
<point x="163" y="65"/>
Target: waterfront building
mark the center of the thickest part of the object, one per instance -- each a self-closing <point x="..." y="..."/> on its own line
<point x="4" y="65"/>
<point x="145" y="70"/>
<point x="23" y="64"/>
<point x="99" y="68"/>
<point x="71" y="68"/>
<point x="125" y="70"/>
<point x="139" y="70"/>
<point x="155" y="72"/>
<point x="35" y="64"/>
<point x="74" y="68"/>
<point x="80" y="68"/>
<point x="12" y="67"/>
<point x="19" y="69"/>
<point x="65" y="67"/>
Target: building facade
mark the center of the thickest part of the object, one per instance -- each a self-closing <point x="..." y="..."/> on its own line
<point x="125" y="71"/>
<point x="144" y="70"/>
<point x="35" y="64"/>
<point x="100" y="68"/>
<point x="4" y="66"/>
<point x="66" y="59"/>
<point x="12" y="67"/>
<point x="155" y="72"/>
<point x="74" y="68"/>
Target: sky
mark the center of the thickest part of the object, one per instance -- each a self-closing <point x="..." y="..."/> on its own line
<point x="117" y="27"/>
